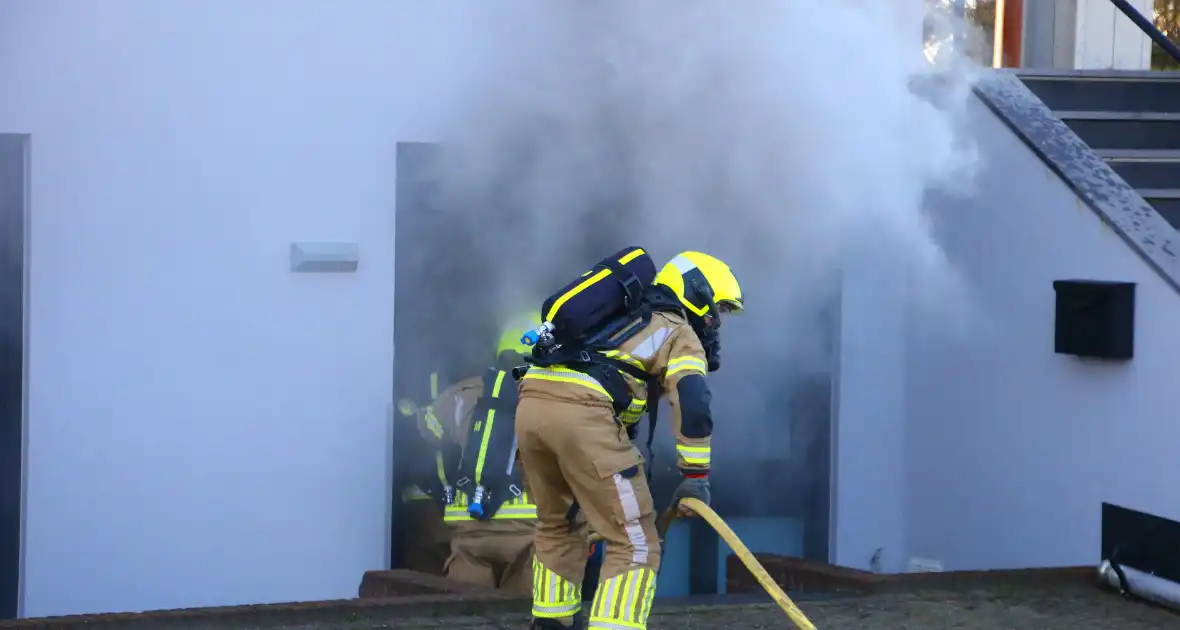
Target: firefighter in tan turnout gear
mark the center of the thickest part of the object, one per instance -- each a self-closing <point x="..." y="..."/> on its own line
<point x="613" y="342"/>
<point x="426" y="543"/>
<point x="488" y="512"/>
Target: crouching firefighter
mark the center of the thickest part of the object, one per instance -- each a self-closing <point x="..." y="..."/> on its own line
<point x="425" y="543"/>
<point x="491" y="517"/>
<point x="612" y="343"/>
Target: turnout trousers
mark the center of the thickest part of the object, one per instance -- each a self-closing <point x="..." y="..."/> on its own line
<point x="577" y="452"/>
<point x="493" y="554"/>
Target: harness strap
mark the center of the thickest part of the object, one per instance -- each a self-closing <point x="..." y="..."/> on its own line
<point x="487" y="471"/>
<point x="588" y="359"/>
<point x="632" y="287"/>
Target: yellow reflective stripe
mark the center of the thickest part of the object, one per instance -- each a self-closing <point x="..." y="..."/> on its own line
<point x="694" y="455"/>
<point x="624" y="357"/>
<point x="433" y="385"/>
<point x="516" y="512"/>
<point x="460" y="499"/>
<point x="497" y="384"/>
<point x="565" y="375"/>
<point x="515" y="508"/>
<point x="526" y="511"/>
<point x="432" y="423"/>
<point x="587" y="282"/>
<point x="440" y="467"/>
<point x="483" y="446"/>
<point x="624" y="601"/>
<point x="633" y="411"/>
<point x="684" y="364"/>
<point x="487" y="430"/>
<point x="554" y="597"/>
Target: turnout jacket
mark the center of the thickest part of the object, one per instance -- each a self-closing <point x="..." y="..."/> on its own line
<point x="669" y="350"/>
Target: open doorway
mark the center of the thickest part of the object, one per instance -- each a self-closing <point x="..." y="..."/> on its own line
<point x="13" y="204"/>
<point x="440" y="337"/>
<point x="772" y="476"/>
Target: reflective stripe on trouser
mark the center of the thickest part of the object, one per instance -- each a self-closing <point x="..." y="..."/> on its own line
<point x="578" y="451"/>
<point x="624" y="601"/>
<point x="554" y="596"/>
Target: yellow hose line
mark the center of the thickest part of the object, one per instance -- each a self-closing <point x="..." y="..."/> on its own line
<point x="756" y="569"/>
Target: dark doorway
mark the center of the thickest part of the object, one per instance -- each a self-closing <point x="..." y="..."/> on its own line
<point x="772" y="474"/>
<point x="442" y="332"/>
<point x="13" y="196"/>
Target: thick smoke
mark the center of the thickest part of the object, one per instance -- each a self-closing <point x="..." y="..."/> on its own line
<point x="791" y="140"/>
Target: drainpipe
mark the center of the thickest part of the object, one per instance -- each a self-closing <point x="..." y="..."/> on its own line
<point x="1136" y="583"/>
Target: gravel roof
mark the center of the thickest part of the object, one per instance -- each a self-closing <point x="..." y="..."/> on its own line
<point x="983" y="609"/>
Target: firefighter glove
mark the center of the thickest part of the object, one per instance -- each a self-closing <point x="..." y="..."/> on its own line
<point x="693" y="488"/>
<point x="406" y="407"/>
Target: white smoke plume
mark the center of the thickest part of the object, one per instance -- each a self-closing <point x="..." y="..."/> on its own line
<point x="791" y="139"/>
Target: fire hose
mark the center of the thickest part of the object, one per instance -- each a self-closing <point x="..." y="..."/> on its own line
<point x="743" y="553"/>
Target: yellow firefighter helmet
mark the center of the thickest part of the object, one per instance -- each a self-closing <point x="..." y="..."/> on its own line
<point x="510" y="337"/>
<point x="702" y="283"/>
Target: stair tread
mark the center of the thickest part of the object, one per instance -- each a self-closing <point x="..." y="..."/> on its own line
<point x="1139" y="155"/>
<point x="1159" y="193"/>
<point x="1154" y="76"/>
<point x="1109" y="115"/>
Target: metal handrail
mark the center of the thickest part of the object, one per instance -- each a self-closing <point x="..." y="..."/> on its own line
<point x="1149" y="28"/>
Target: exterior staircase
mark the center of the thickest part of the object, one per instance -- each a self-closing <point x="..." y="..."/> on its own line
<point x="1130" y="119"/>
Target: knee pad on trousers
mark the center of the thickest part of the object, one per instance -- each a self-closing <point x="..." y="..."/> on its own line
<point x="554" y="597"/>
<point x="624" y="601"/>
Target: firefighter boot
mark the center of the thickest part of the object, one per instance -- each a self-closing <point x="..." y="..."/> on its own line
<point x="553" y="624"/>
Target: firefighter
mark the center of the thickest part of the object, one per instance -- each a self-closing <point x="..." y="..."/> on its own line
<point x="426" y="542"/>
<point x="491" y="517"/>
<point x="574" y="439"/>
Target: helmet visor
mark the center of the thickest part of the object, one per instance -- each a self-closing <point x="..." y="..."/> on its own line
<point x="726" y="307"/>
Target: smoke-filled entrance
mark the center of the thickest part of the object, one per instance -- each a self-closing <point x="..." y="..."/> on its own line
<point x="12" y="277"/>
<point x="458" y="273"/>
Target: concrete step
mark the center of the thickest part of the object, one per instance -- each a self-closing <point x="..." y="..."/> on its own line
<point x="1139" y="155"/>
<point x="1125" y="130"/>
<point x="1106" y="91"/>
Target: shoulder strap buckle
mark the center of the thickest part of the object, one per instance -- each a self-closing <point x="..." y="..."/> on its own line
<point x="632" y="287"/>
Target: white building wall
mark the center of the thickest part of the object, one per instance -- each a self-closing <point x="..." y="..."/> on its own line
<point x="868" y="500"/>
<point x="205" y="427"/>
<point x="1085" y="35"/>
<point x="1106" y="38"/>
<point x="1012" y="448"/>
<point x="867" y="507"/>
